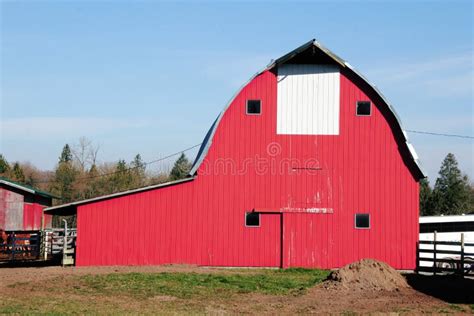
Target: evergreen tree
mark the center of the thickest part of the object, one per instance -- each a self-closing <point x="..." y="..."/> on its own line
<point x="4" y="166"/>
<point x="138" y="171"/>
<point x="452" y="191"/>
<point x="121" y="179"/>
<point x="17" y="173"/>
<point x="63" y="184"/>
<point x="94" y="185"/>
<point x="66" y="154"/>
<point x="471" y="200"/>
<point x="425" y="198"/>
<point x="180" y="169"/>
<point x="64" y="177"/>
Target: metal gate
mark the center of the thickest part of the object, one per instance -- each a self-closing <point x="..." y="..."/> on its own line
<point x="60" y="243"/>
<point x="20" y="246"/>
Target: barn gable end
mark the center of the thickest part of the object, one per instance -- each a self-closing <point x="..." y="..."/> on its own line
<point x="21" y="207"/>
<point x="313" y="53"/>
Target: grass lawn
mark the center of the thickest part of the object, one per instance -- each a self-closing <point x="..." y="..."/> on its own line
<point x="152" y="292"/>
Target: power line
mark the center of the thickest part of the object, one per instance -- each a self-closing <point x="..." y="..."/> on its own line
<point x="197" y="145"/>
<point x="440" y="134"/>
<point x="171" y="155"/>
<point x="131" y="168"/>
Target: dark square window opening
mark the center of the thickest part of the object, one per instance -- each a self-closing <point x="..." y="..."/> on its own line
<point x="362" y="221"/>
<point x="252" y="219"/>
<point x="364" y="108"/>
<point x="254" y="107"/>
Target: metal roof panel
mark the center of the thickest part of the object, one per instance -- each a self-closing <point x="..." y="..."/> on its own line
<point x="118" y="194"/>
<point x="26" y="188"/>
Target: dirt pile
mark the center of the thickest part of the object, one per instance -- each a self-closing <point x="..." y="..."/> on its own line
<point x="367" y="275"/>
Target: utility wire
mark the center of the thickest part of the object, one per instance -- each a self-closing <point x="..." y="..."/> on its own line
<point x="440" y="134"/>
<point x="197" y="145"/>
<point x="131" y="168"/>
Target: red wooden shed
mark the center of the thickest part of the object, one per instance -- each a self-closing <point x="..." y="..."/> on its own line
<point x="21" y="207"/>
<point x="307" y="166"/>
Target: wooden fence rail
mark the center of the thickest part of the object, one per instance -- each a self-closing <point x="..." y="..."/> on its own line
<point x="438" y="259"/>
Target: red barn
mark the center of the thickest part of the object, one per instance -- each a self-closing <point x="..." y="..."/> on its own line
<point x="21" y="207"/>
<point x="307" y="166"/>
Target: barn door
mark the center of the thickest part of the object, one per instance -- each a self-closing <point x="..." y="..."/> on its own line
<point x="265" y="240"/>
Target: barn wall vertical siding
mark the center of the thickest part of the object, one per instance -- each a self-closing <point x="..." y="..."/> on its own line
<point x="20" y="212"/>
<point x="32" y="213"/>
<point x="13" y="211"/>
<point x="318" y="183"/>
<point x="3" y="207"/>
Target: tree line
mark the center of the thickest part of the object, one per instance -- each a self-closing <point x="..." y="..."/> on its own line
<point x="78" y="175"/>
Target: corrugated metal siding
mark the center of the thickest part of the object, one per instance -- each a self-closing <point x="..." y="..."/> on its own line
<point x="367" y="175"/>
<point x="32" y="217"/>
<point x="250" y="166"/>
<point x="3" y="208"/>
<point x="308" y="99"/>
<point x="18" y="215"/>
<point x="13" y="211"/>
<point x="48" y="221"/>
<point x="162" y="227"/>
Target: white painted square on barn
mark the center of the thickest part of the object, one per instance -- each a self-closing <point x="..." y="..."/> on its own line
<point x="308" y="99"/>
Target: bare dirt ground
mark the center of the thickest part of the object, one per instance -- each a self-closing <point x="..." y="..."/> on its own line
<point x="328" y="301"/>
<point x="419" y="294"/>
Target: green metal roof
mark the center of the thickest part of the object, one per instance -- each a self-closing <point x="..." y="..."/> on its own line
<point x="26" y="188"/>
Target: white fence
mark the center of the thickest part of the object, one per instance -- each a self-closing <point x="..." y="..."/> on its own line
<point x="445" y="252"/>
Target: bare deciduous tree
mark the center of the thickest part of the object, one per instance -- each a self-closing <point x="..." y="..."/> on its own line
<point x="85" y="153"/>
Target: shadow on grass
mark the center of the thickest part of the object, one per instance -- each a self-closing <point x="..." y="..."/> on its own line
<point x="449" y="288"/>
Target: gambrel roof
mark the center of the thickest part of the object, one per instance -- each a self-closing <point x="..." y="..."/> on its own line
<point x="313" y="49"/>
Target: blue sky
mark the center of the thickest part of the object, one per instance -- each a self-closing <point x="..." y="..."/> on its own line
<point x="150" y="77"/>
